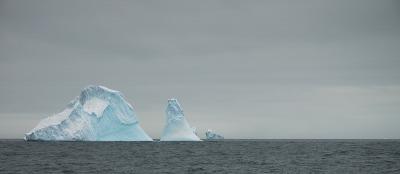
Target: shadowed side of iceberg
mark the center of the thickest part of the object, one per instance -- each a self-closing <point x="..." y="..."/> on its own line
<point x="97" y="114"/>
<point x="177" y="128"/>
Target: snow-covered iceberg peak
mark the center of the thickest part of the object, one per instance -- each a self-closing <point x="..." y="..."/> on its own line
<point x="97" y="114"/>
<point x="177" y="128"/>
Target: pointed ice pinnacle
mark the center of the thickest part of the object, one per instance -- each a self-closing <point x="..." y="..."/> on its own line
<point x="97" y="114"/>
<point x="177" y="128"/>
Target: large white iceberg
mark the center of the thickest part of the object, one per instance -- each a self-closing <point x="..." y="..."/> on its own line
<point x="177" y="128"/>
<point x="97" y="114"/>
<point x="211" y="135"/>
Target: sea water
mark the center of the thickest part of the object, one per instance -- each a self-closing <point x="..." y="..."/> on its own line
<point x="227" y="156"/>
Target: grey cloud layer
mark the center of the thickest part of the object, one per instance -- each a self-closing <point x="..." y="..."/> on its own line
<point x="310" y="69"/>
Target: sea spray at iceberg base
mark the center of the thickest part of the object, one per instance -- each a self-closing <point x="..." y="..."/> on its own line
<point x="97" y="114"/>
<point x="177" y="128"/>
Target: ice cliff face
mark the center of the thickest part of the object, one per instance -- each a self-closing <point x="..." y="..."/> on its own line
<point x="97" y="114"/>
<point x="210" y="135"/>
<point x="177" y="128"/>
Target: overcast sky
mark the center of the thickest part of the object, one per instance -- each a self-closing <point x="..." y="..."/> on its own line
<point x="247" y="69"/>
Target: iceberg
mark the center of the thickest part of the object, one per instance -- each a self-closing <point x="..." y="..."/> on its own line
<point x="97" y="114"/>
<point x="210" y="135"/>
<point x="177" y="128"/>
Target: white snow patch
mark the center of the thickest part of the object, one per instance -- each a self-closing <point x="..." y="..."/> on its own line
<point x="95" y="106"/>
<point x="54" y="120"/>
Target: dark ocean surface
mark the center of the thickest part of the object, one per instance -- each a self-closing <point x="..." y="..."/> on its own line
<point x="228" y="156"/>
